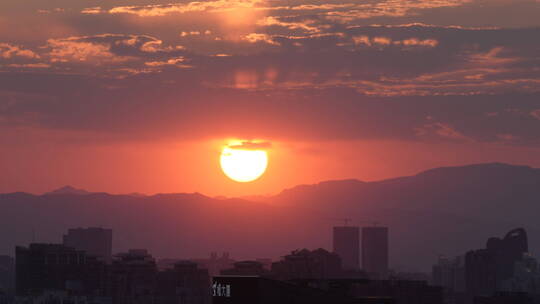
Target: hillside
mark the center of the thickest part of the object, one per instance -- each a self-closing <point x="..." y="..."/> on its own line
<point x="439" y="211"/>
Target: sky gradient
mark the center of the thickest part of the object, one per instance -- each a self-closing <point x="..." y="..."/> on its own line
<point x="140" y="96"/>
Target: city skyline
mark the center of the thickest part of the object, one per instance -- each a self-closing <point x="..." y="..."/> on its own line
<point x="436" y="211"/>
<point x="269" y="151"/>
<point x="505" y="270"/>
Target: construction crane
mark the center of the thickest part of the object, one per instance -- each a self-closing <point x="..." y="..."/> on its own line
<point x="344" y="220"/>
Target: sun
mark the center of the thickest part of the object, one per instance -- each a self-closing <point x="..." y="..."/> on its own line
<point x="243" y="165"/>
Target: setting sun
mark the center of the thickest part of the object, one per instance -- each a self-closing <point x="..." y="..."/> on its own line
<point x="243" y="165"/>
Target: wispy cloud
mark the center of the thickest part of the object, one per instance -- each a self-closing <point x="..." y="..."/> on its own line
<point x="441" y="131"/>
<point x="251" y="145"/>
<point x="257" y="37"/>
<point x="315" y="68"/>
<point x="8" y="51"/>
<point x="536" y="114"/>
<point x="165" y="9"/>
<point x="106" y="49"/>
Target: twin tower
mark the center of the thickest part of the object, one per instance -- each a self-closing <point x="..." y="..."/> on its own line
<point x="374" y="249"/>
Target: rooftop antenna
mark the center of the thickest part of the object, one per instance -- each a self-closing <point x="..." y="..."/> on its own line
<point x="33" y="235"/>
<point x="345" y="221"/>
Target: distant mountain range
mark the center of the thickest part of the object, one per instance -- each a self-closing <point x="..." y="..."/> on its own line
<point x="68" y="190"/>
<point x="439" y="211"/>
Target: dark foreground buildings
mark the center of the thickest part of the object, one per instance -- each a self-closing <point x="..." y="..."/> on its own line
<point x="65" y="274"/>
<point x="260" y="290"/>
<point x="94" y="241"/>
<point x="246" y="268"/>
<point x="346" y="241"/>
<point x="375" y="251"/>
<point x="304" y="276"/>
<point x="184" y="283"/>
<point x="7" y="273"/>
<point x="57" y="273"/>
<point x="502" y="272"/>
<point x="42" y="267"/>
<point x="314" y="277"/>
<point x="307" y="264"/>
<point x="487" y="269"/>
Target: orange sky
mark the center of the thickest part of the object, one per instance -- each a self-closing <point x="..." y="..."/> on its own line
<point x="140" y="96"/>
<point x="194" y="166"/>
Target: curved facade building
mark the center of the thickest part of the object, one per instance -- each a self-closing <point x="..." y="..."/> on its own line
<point x="485" y="269"/>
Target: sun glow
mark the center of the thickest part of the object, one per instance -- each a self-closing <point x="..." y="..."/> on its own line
<point x="243" y="165"/>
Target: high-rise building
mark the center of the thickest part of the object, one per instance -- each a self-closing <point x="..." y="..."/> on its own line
<point x="184" y="283"/>
<point x="487" y="269"/>
<point x="215" y="264"/>
<point x="375" y="251"/>
<point x="315" y="264"/>
<point x="54" y="267"/>
<point x="347" y="245"/>
<point x="450" y="274"/>
<point x="7" y="273"/>
<point x="133" y="277"/>
<point x="94" y="241"/>
<point x="246" y="268"/>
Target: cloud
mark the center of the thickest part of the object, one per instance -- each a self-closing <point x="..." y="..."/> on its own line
<point x="75" y="49"/>
<point x="364" y="40"/>
<point x="301" y="70"/>
<point x="508" y="137"/>
<point x="257" y="37"/>
<point x="30" y="65"/>
<point x="346" y="10"/>
<point x="417" y="42"/>
<point x="171" y="62"/>
<point x="165" y="9"/>
<point x="195" y="33"/>
<point x="372" y="60"/>
<point x="536" y="114"/>
<point x="119" y="52"/>
<point x="93" y="10"/>
<point x="8" y="51"/>
<point x="251" y="145"/>
<point x="273" y="21"/>
<point x="49" y="11"/>
<point x="173" y="105"/>
<point x="440" y="130"/>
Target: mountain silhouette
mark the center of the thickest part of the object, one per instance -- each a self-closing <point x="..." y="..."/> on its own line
<point x="68" y="190"/>
<point x="440" y="211"/>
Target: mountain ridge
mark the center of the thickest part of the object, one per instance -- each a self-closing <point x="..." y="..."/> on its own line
<point x="445" y="211"/>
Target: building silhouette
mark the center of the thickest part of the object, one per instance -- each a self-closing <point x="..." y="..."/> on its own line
<point x="316" y="264"/>
<point x="375" y="251"/>
<point x="246" y="268"/>
<point x="506" y="298"/>
<point x="526" y="277"/>
<point x="450" y="273"/>
<point x="184" y="283"/>
<point x="215" y="263"/>
<point x="7" y="273"/>
<point x="487" y="269"/>
<point x="133" y="277"/>
<point x="266" y="263"/>
<point x="263" y="290"/>
<point x="54" y="267"/>
<point x="94" y="241"/>
<point x="346" y="241"/>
